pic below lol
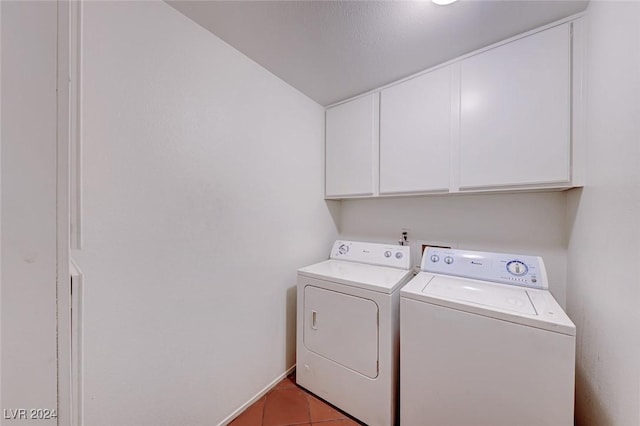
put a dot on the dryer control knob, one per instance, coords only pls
(448, 260)
(435, 258)
(387, 253)
(399, 255)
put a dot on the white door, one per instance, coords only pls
(415, 134)
(342, 328)
(351, 144)
(515, 112)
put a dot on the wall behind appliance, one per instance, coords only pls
(29, 369)
(202, 196)
(526, 223)
(604, 245)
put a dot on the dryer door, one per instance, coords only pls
(342, 328)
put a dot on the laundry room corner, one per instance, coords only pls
(318, 213)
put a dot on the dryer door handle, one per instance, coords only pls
(314, 319)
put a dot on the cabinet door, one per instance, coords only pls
(515, 112)
(351, 143)
(415, 134)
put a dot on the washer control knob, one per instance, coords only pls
(343, 249)
(435, 258)
(517, 268)
(399, 255)
(448, 260)
(387, 253)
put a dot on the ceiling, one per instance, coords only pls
(333, 50)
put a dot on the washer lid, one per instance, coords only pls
(532, 307)
(382, 279)
(480, 293)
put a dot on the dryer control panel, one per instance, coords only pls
(515, 269)
(372, 254)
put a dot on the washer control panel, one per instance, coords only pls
(372, 253)
(515, 269)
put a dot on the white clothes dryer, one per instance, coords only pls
(348, 328)
(484, 343)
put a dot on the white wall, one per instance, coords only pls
(202, 196)
(604, 223)
(28, 207)
(531, 223)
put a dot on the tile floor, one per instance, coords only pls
(288, 404)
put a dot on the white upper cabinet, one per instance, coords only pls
(352, 148)
(415, 134)
(509, 117)
(515, 113)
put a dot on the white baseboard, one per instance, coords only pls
(257, 396)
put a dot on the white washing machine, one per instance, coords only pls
(348, 328)
(484, 343)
